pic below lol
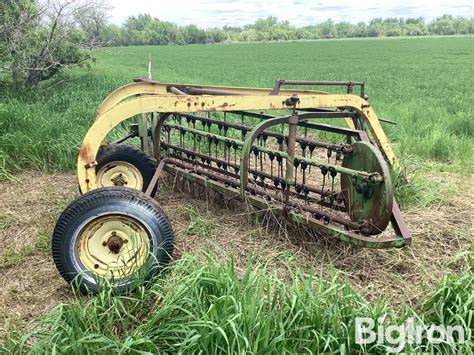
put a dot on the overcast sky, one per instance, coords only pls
(208, 13)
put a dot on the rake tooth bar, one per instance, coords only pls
(332, 178)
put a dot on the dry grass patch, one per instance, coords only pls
(29, 283)
(206, 221)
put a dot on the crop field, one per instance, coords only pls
(236, 284)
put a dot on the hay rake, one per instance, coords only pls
(266, 147)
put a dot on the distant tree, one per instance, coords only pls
(412, 29)
(344, 29)
(301, 33)
(249, 35)
(264, 25)
(327, 29)
(375, 28)
(161, 32)
(415, 21)
(92, 21)
(360, 30)
(415, 27)
(279, 34)
(376, 20)
(230, 29)
(443, 25)
(113, 35)
(463, 25)
(394, 21)
(193, 34)
(138, 23)
(393, 31)
(216, 35)
(83, 24)
(135, 29)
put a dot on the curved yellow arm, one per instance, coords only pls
(116, 109)
(155, 88)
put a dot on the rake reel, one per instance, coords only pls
(271, 148)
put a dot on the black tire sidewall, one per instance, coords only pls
(103, 201)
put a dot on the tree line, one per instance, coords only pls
(40, 38)
(147, 30)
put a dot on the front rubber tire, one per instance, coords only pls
(120, 203)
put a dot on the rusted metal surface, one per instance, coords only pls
(156, 176)
(319, 224)
(348, 84)
(247, 128)
(365, 200)
(233, 169)
(332, 178)
(250, 174)
(176, 91)
(115, 243)
(290, 159)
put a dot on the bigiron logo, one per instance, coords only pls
(408, 333)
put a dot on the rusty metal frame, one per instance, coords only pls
(145, 97)
(401, 237)
(149, 87)
(348, 84)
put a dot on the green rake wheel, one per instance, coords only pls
(366, 201)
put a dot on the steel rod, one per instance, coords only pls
(367, 176)
(251, 171)
(342, 234)
(329, 217)
(333, 146)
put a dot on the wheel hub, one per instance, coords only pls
(114, 243)
(120, 173)
(119, 180)
(114, 246)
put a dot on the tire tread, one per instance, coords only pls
(103, 195)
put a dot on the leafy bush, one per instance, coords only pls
(38, 40)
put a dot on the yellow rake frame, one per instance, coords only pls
(153, 97)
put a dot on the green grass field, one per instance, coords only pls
(424, 84)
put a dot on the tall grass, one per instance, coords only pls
(205, 306)
(423, 84)
(43, 129)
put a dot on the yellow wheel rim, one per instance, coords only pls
(120, 173)
(113, 246)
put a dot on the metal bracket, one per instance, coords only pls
(349, 84)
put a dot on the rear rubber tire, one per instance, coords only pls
(110, 202)
(110, 153)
